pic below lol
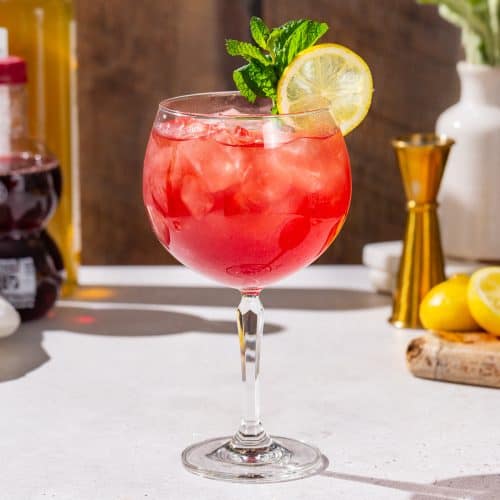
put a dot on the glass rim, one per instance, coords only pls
(422, 140)
(164, 106)
(28, 148)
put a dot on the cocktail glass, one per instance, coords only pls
(246, 197)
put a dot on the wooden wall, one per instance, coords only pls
(132, 54)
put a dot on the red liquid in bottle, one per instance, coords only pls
(30, 264)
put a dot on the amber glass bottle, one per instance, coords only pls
(43, 33)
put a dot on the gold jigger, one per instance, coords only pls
(421, 159)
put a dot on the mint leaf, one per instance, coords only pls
(278, 37)
(263, 79)
(240, 80)
(260, 32)
(288, 40)
(247, 51)
(305, 35)
(257, 79)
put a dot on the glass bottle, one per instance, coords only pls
(30, 187)
(43, 33)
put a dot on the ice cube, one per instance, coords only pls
(266, 184)
(184, 128)
(271, 133)
(301, 163)
(275, 133)
(220, 166)
(235, 134)
(196, 196)
(315, 165)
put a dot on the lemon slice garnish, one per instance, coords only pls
(327, 75)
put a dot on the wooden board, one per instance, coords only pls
(471, 358)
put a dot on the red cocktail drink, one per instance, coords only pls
(242, 202)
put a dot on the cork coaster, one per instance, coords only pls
(466, 358)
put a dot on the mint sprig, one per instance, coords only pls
(275, 49)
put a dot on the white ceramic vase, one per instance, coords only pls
(470, 193)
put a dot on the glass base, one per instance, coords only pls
(284, 460)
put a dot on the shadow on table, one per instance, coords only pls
(144, 311)
(480, 487)
(109, 314)
(314, 299)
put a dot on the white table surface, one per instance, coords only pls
(98, 401)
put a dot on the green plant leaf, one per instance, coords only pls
(278, 38)
(260, 32)
(254, 80)
(247, 51)
(494, 13)
(474, 18)
(301, 38)
(261, 80)
(241, 84)
(475, 51)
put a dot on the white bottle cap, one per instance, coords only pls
(4, 42)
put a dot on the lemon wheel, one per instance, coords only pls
(327, 75)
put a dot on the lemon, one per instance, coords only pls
(445, 307)
(327, 75)
(483, 294)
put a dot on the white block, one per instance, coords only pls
(382, 281)
(383, 256)
(382, 260)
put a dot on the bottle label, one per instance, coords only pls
(18, 282)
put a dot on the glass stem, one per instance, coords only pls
(250, 317)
